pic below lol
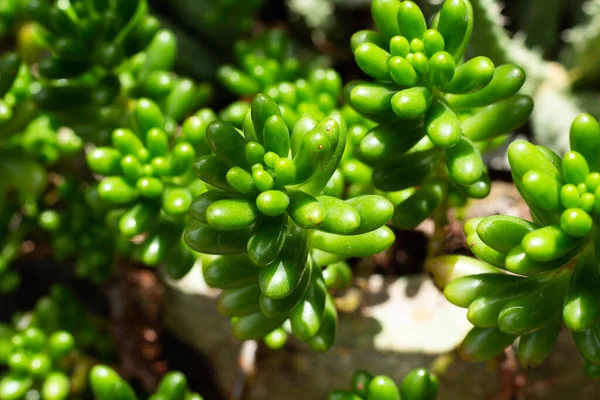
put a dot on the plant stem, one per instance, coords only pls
(437, 241)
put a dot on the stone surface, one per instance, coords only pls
(412, 312)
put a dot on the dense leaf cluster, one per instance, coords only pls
(555, 277)
(107, 158)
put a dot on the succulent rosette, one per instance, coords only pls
(537, 274)
(436, 112)
(148, 178)
(272, 228)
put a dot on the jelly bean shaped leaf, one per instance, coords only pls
(464, 162)
(506, 82)
(267, 240)
(543, 190)
(465, 290)
(405, 171)
(584, 137)
(384, 14)
(203, 238)
(372, 100)
(581, 307)
(419, 384)
(503, 232)
(307, 316)
(484, 311)
(455, 24)
(550, 243)
(383, 387)
(497, 119)
(360, 245)
(373, 61)
(305, 210)
(279, 279)
(535, 347)
(374, 211)
(412, 102)
(418, 206)
(536, 309)
(340, 217)
(471, 76)
(231, 214)
(484, 343)
(443, 125)
(230, 271)
(279, 307)
(239, 302)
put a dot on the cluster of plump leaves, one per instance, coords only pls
(35, 361)
(148, 176)
(271, 228)
(45, 140)
(263, 61)
(84, 63)
(126, 55)
(149, 74)
(436, 113)
(106, 384)
(49, 348)
(315, 97)
(553, 264)
(287, 180)
(88, 59)
(86, 42)
(418, 384)
(91, 57)
(310, 99)
(315, 94)
(46, 348)
(337, 277)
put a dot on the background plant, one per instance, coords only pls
(417, 384)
